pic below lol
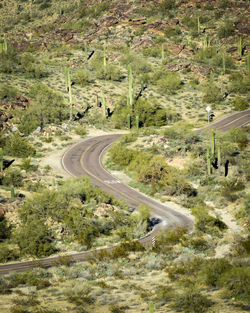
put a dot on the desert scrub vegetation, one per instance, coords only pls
(47, 107)
(70, 214)
(151, 169)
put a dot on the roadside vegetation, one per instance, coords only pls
(71, 69)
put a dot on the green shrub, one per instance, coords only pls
(12, 177)
(19, 146)
(226, 30)
(231, 186)
(82, 77)
(7, 92)
(94, 10)
(236, 281)
(34, 238)
(170, 83)
(111, 72)
(224, 4)
(164, 294)
(217, 60)
(239, 83)
(211, 271)
(206, 223)
(5, 229)
(80, 130)
(167, 5)
(7, 254)
(192, 301)
(240, 104)
(26, 164)
(172, 32)
(205, 54)
(212, 94)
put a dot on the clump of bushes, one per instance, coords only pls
(82, 77)
(18, 146)
(212, 94)
(240, 104)
(192, 301)
(239, 83)
(226, 29)
(7, 92)
(151, 169)
(206, 223)
(12, 177)
(149, 112)
(47, 106)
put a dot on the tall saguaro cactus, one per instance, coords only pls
(240, 47)
(86, 49)
(212, 143)
(162, 53)
(12, 193)
(248, 63)
(1, 160)
(198, 24)
(130, 86)
(208, 161)
(68, 86)
(224, 63)
(137, 122)
(151, 307)
(104, 105)
(129, 121)
(219, 156)
(104, 60)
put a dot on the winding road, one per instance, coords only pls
(84, 158)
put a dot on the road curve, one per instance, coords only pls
(84, 158)
(238, 119)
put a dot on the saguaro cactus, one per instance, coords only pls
(198, 24)
(240, 47)
(219, 156)
(212, 143)
(104, 105)
(1, 159)
(130, 90)
(5, 45)
(162, 53)
(151, 307)
(248, 63)
(129, 121)
(68, 86)
(104, 60)
(12, 192)
(224, 63)
(137, 122)
(86, 49)
(208, 161)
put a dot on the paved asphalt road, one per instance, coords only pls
(238, 119)
(84, 158)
